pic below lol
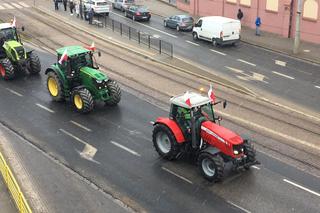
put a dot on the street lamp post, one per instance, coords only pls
(297, 33)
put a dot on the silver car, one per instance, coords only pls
(122, 4)
(179, 22)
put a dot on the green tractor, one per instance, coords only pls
(76, 77)
(13, 56)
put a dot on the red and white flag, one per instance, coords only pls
(92, 47)
(211, 94)
(187, 99)
(64, 57)
(13, 23)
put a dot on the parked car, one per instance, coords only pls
(122, 4)
(179, 22)
(99, 6)
(137, 12)
(218, 30)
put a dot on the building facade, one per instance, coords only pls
(277, 16)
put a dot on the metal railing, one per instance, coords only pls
(13, 187)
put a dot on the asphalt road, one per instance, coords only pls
(266, 72)
(126, 161)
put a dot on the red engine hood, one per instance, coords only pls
(219, 131)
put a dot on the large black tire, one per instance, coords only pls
(35, 65)
(59, 96)
(250, 152)
(114, 93)
(85, 98)
(211, 166)
(165, 142)
(7, 69)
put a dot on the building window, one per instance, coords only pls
(310, 9)
(232, 1)
(245, 2)
(272, 5)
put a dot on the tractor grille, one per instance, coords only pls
(20, 52)
(101, 85)
(238, 148)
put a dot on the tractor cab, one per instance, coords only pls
(8, 32)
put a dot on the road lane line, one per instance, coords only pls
(80, 125)
(234, 69)
(23, 4)
(14, 92)
(317, 86)
(246, 62)
(73, 136)
(302, 187)
(8, 6)
(255, 167)
(125, 148)
(148, 26)
(239, 207)
(17, 5)
(190, 42)
(1, 7)
(280, 63)
(215, 51)
(175, 174)
(45, 108)
(283, 75)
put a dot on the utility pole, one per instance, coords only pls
(297, 33)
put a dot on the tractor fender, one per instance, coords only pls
(173, 126)
(211, 150)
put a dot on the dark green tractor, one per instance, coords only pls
(77, 78)
(13, 56)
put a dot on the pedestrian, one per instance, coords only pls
(258, 24)
(71, 6)
(85, 13)
(240, 14)
(56, 4)
(65, 4)
(90, 14)
(77, 9)
(81, 9)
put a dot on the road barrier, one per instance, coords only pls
(143, 38)
(13, 187)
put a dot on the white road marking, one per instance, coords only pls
(255, 76)
(259, 77)
(23, 4)
(306, 51)
(283, 75)
(8, 6)
(156, 36)
(246, 62)
(148, 26)
(190, 42)
(280, 63)
(215, 51)
(45, 108)
(80, 125)
(234, 69)
(317, 86)
(302, 187)
(125, 148)
(17, 5)
(1, 7)
(175, 174)
(239, 207)
(255, 167)
(73, 136)
(14, 92)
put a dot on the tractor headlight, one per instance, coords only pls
(235, 152)
(98, 81)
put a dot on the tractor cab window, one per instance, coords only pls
(82, 60)
(207, 111)
(9, 34)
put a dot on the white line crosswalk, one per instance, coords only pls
(13, 5)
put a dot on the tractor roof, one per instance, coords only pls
(72, 50)
(5, 25)
(196, 99)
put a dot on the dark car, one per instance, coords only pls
(179, 22)
(137, 12)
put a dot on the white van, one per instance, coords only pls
(99, 6)
(218, 30)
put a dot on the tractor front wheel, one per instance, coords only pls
(211, 166)
(250, 152)
(114, 93)
(82, 100)
(55, 86)
(165, 142)
(35, 65)
(6, 69)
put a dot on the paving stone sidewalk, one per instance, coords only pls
(6, 203)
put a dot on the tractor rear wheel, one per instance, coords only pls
(211, 166)
(35, 65)
(6, 69)
(55, 86)
(82, 100)
(165, 142)
(250, 152)
(114, 93)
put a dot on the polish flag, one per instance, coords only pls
(211, 94)
(187, 99)
(13, 23)
(64, 57)
(92, 47)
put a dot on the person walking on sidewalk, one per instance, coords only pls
(64, 4)
(81, 9)
(71, 5)
(90, 14)
(258, 24)
(240, 14)
(56, 4)
(77, 9)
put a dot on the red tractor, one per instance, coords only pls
(194, 129)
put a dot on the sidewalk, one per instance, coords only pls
(6, 203)
(308, 51)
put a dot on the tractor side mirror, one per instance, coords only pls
(99, 54)
(224, 104)
(22, 28)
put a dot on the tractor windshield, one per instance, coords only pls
(207, 111)
(82, 60)
(9, 34)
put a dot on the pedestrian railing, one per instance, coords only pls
(13, 187)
